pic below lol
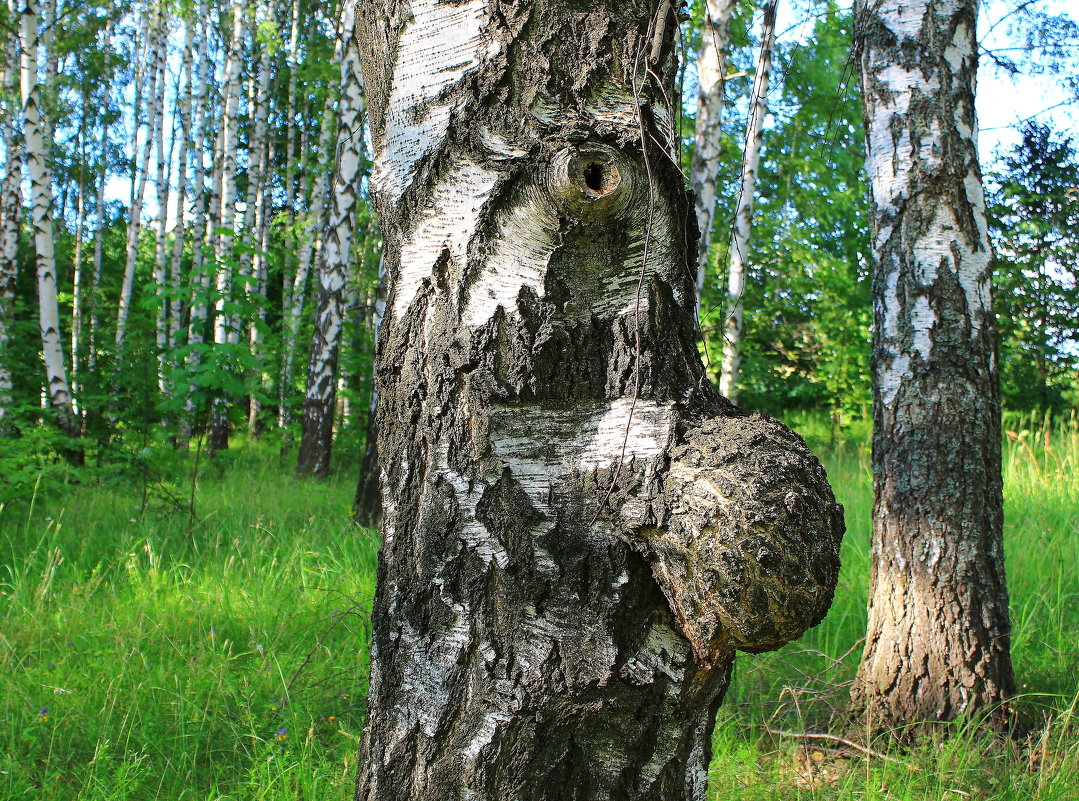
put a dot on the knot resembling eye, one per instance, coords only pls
(590, 179)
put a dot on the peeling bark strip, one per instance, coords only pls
(938, 637)
(578, 530)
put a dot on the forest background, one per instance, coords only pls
(189, 151)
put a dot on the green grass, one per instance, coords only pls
(219, 660)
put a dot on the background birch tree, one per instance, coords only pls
(938, 642)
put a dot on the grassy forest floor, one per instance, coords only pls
(148, 653)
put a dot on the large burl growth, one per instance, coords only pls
(579, 531)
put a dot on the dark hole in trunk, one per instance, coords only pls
(593, 177)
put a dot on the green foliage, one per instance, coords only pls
(1034, 213)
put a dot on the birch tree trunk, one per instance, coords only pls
(163, 191)
(937, 646)
(57, 387)
(311, 244)
(156, 56)
(743, 215)
(707, 149)
(226, 323)
(316, 441)
(77, 279)
(102, 223)
(578, 529)
(10, 213)
(367, 506)
(176, 305)
(199, 276)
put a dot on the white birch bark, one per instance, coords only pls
(10, 209)
(743, 216)
(99, 233)
(311, 242)
(199, 281)
(161, 254)
(57, 388)
(176, 305)
(156, 54)
(707, 149)
(226, 323)
(333, 261)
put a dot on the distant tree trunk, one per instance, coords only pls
(320, 402)
(176, 306)
(310, 245)
(262, 277)
(162, 188)
(937, 646)
(708, 147)
(10, 215)
(102, 222)
(367, 506)
(58, 389)
(77, 299)
(199, 276)
(743, 215)
(227, 323)
(578, 530)
(155, 55)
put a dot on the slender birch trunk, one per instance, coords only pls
(367, 506)
(10, 212)
(316, 442)
(311, 245)
(578, 530)
(102, 222)
(199, 280)
(176, 305)
(226, 323)
(938, 638)
(161, 254)
(743, 215)
(711, 69)
(140, 169)
(261, 271)
(77, 278)
(58, 390)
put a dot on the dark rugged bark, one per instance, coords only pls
(938, 639)
(578, 530)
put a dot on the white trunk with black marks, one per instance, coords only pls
(10, 210)
(262, 277)
(578, 531)
(334, 261)
(199, 277)
(102, 222)
(311, 244)
(176, 308)
(57, 388)
(161, 267)
(708, 144)
(226, 323)
(937, 646)
(743, 214)
(155, 55)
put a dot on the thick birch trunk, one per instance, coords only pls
(578, 530)
(707, 149)
(57, 389)
(937, 646)
(156, 56)
(743, 215)
(10, 214)
(333, 264)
